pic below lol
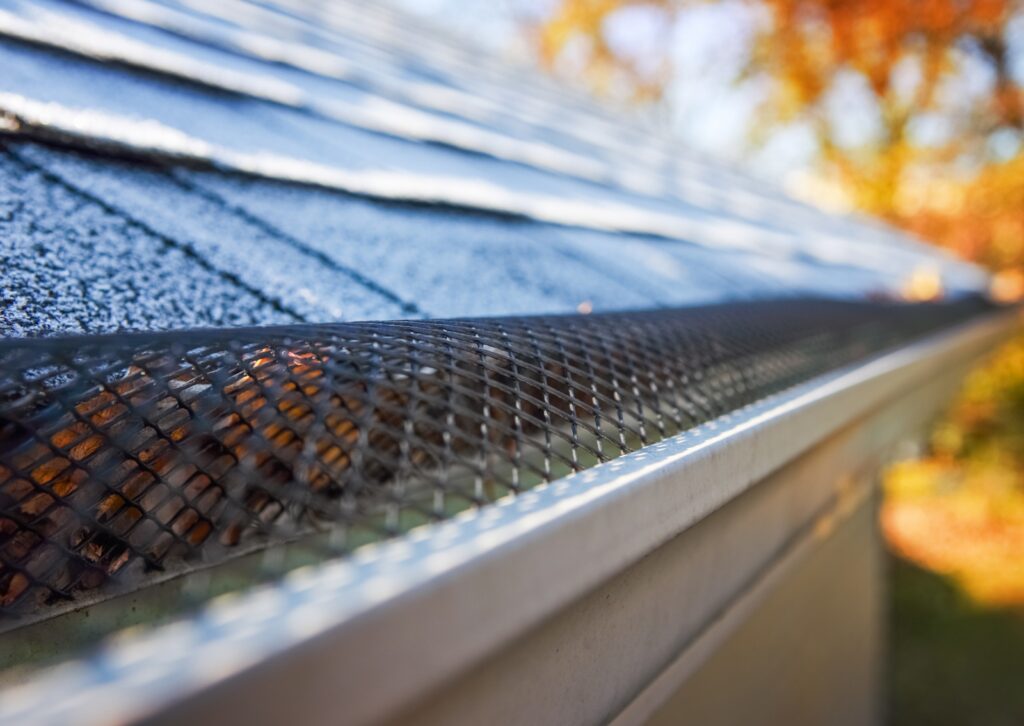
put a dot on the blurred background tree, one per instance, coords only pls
(914, 108)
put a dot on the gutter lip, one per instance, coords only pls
(456, 591)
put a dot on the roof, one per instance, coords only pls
(177, 164)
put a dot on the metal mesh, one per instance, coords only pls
(127, 459)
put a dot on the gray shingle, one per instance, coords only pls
(298, 279)
(320, 114)
(450, 263)
(70, 266)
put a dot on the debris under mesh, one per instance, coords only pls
(127, 459)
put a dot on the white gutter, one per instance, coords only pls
(354, 639)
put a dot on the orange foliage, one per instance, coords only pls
(965, 521)
(584, 20)
(960, 510)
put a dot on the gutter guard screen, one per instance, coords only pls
(130, 459)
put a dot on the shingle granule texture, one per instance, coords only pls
(71, 266)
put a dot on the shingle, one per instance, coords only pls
(286, 141)
(664, 228)
(70, 266)
(298, 279)
(292, 143)
(449, 263)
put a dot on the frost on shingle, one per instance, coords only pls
(69, 266)
(288, 139)
(450, 263)
(291, 143)
(249, 125)
(301, 280)
(630, 223)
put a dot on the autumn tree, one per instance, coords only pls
(934, 86)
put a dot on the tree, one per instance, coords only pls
(936, 86)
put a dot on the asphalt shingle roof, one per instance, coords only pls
(174, 164)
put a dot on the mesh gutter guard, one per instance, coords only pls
(350, 636)
(126, 460)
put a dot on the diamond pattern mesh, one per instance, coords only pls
(127, 459)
